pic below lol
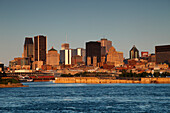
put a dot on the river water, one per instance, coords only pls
(47, 97)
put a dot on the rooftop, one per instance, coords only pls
(52, 49)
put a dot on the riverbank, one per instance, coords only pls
(109, 80)
(10, 82)
(9, 85)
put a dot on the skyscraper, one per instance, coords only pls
(162, 54)
(103, 51)
(79, 52)
(28, 47)
(114, 57)
(106, 43)
(134, 53)
(93, 49)
(65, 56)
(40, 48)
(64, 46)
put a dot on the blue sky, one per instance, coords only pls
(144, 23)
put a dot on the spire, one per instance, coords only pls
(66, 37)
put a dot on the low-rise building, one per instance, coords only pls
(37, 65)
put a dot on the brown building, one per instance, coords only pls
(103, 51)
(1, 67)
(65, 46)
(37, 65)
(12, 64)
(76, 60)
(28, 47)
(53, 57)
(20, 63)
(28, 51)
(114, 57)
(162, 54)
(47, 67)
(40, 48)
(95, 61)
(106, 43)
(151, 58)
(103, 59)
(18, 60)
(88, 61)
(132, 62)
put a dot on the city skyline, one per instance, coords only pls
(144, 24)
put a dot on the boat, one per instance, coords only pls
(25, 78)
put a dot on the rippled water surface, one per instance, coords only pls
(45, 97)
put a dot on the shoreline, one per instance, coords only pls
(12, 85)
(95, 80)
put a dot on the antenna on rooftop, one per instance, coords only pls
(66, 37)
(104, 36)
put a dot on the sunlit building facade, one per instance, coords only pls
(53, 57)
(65, 56)
(114, 57)
(106, 43)
(64, 46)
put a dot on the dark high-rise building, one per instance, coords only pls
(162, 54)
(1, 67)
(40, 48)
(134, 53)
(103, 51)
(28, 47)
(93, 49)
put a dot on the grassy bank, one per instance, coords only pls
(9, 82)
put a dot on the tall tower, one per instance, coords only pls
(106, 43)
(40, 48)
(162, 53)
(65, 56)
(64, 46)
(93, 49)
(28, 47)
(134, 53)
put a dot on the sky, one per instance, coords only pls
(143, 23)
